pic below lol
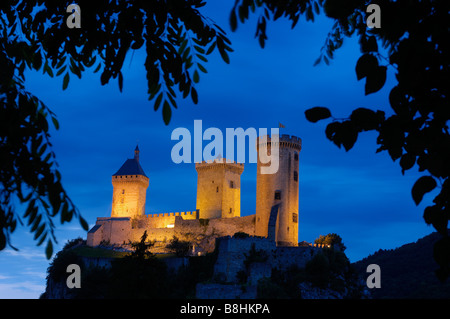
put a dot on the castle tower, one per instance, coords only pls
(219, 188)
(279, 188)
(129, 189)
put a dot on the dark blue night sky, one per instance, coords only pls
(360, 195)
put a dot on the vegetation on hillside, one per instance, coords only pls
(408, 271)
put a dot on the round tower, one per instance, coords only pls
(129, 189)
(280, 187)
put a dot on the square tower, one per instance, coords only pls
(129, 189)
(219, 188)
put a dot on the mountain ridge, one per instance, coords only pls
(407, 272)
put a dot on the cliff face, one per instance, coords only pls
(57, 290)
(255, 268)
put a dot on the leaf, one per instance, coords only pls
(436, 217)
(318, 60)
(365, 119)
(60, 71)
(39, 232)
(104, 78)
(120, 81)
(349, 135)
(202, 68)
(66, 81)
(211, 48)
(199, 49)
(342, 134)
(201, 57)
(233, 20)
(317, 113)
(316, 8)
(423, 185)
(158, 101)
(375, 80)
(84, 224)
(366, 64)
(225, 56)
(166, 112)
(37, 61)
(407, 161)
(55, 123)
(49, 249)
(98, 68)
(194, 95)
(196, 77)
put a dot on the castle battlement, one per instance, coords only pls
(289, 141)
(185, 215)
(219, 163)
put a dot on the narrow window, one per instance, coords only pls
(294, 217)
(217, 189)
(295, 176)
(231, 184)
(231, 210)
(296, 156)
(277, 195)
(123, 191)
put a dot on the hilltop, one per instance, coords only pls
(407, 271)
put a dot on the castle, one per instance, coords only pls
(218, 208)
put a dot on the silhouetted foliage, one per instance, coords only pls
(333, 240)
(179, 247)
(177, 39)
(413, 43)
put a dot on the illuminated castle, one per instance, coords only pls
(218, 207)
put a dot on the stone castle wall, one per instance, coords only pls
(201, 232)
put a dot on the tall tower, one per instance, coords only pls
(279, 188)
(219, 188)
(129, 189)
